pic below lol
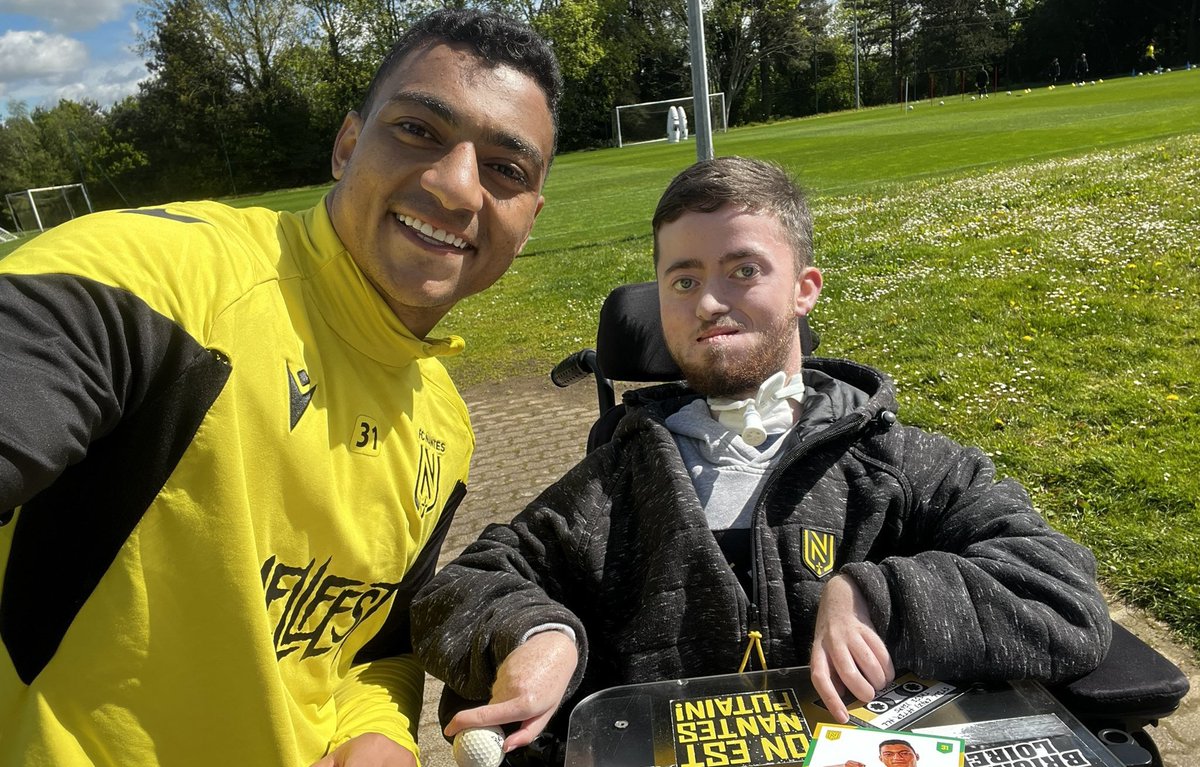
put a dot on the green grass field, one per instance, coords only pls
(1027, 268)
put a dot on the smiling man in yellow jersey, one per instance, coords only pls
(228, 450)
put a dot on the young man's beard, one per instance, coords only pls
(726, 373)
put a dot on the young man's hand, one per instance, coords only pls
(369, 750)
(848, 655)
(530, 684)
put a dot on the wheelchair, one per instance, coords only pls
(1131, 690)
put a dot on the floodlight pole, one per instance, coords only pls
(704, 139)
(857, 92)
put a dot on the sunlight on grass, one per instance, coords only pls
(1048, 314)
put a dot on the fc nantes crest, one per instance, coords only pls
(818, 552)
(429, 480)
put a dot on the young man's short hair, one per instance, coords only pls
(896, 742)
(756, 186)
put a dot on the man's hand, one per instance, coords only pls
(369, 750)
(530, 684)
(847, 653)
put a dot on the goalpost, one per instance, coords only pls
(47, 206)
(645, 122)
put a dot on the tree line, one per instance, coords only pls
(245, 96)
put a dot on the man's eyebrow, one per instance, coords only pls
(695, 263)
(506, 139)
(683, 263)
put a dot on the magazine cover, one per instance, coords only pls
(744, 728)
(1042, 740)
(898, 705)
(843, 745)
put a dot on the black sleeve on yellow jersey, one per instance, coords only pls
(395, 637)
(101, 397)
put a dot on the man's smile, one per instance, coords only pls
(431, 234)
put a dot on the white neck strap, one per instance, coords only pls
(768, 412)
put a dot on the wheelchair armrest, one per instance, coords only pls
(1134, 685)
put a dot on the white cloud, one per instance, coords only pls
(40, 69)
(26, 55)
(106, 85)
(68, 15)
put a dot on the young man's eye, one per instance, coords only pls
(746, 271)
(415, 129)
(684, 283)
(512, 172)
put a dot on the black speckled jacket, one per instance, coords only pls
(965, 580)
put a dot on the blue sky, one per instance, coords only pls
(72, 49)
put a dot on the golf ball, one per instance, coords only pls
(479, 747)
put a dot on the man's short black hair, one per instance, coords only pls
(495, 38)
(896, 742)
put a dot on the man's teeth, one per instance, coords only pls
(441, 235)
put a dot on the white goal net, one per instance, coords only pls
(36, 210)
(647, 121)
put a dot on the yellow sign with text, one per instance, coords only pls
(758, 728)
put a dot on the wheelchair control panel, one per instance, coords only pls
(771, 717)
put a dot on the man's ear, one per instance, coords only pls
(808, 288)
(344, 144)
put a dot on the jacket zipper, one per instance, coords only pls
(846, 425)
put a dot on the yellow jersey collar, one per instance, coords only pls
(351, 305)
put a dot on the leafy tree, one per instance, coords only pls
(1114, 33)
(78, 134)
(957, 33)
(886, 30)
(334, 69)
(834, 70)
(794, 83)
(252, 34)
(613, 52)
(24, 161)
(574, 28)
(183, 117)
(743, 37)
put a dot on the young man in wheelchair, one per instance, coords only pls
(773, 494)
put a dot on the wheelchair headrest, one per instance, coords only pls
(629, 341)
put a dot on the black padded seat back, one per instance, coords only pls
(629, 340)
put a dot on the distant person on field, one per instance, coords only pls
(1150, 58)
(1055, 70)
(1081, 68)
(981, 82)
(229, 449)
